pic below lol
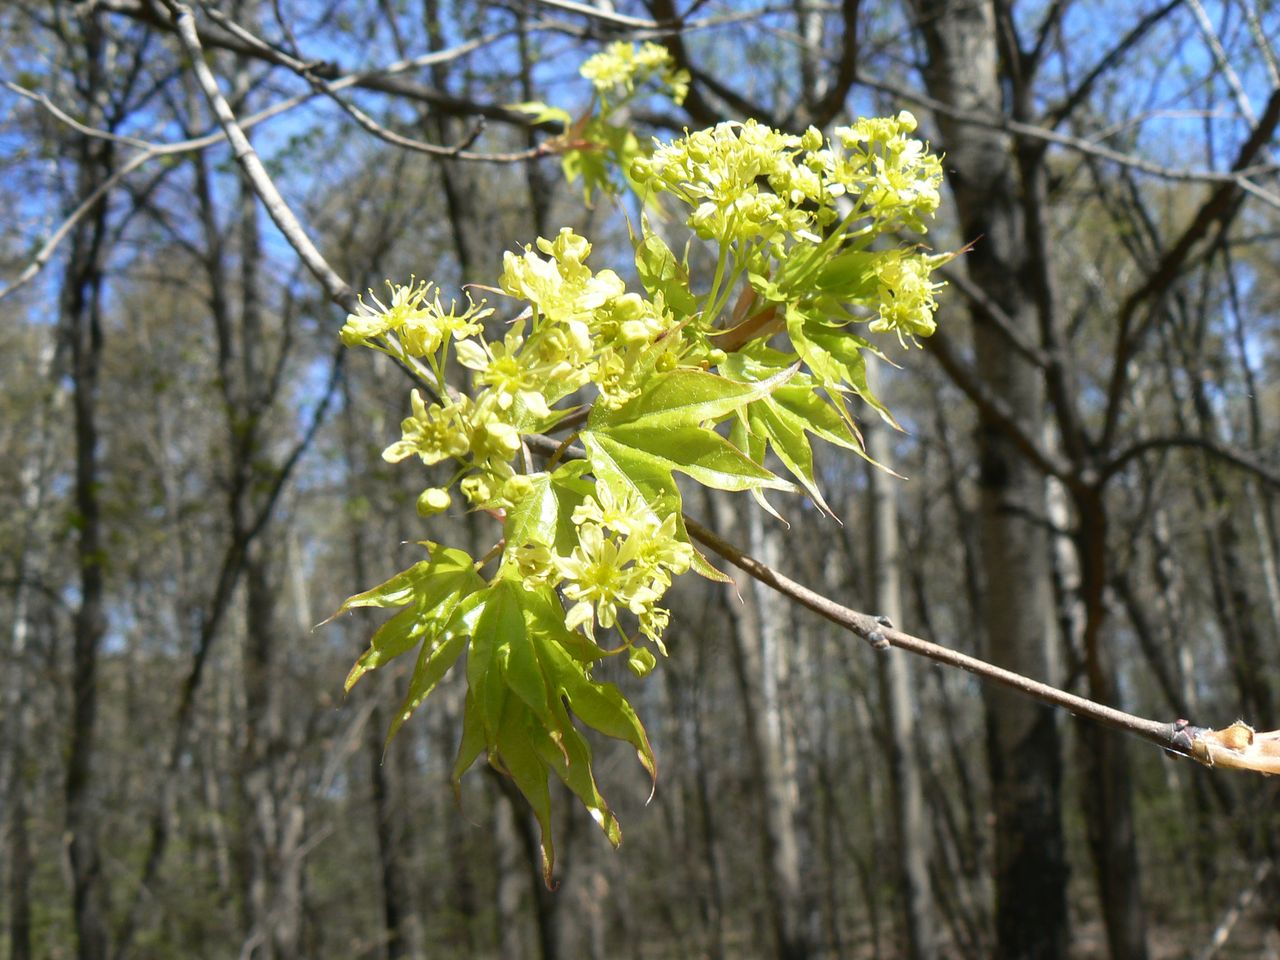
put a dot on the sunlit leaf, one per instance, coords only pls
(544, 515)
(684, 398)
(434, 588)
(520, 761)
(600, 706)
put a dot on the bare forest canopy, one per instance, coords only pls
(1054, 259)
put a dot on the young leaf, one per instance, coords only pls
(702, 454)
(661, 272)
(471, 745)
(652, 483)
(834, 354)
(523, 675)
(433, 663)
(435, 589)
(786, 435)
(541, 112)
(499, 624)
(818, 416)
(520, 761)
(600, 706)
(684, 398)
(395, 592)
(569, 755)
(398, 635)
(544, 516)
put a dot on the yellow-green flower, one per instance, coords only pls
(623, 67)
(433, 500)
(601, 577)
(563, 289)
(503, 367)
(375, 321)
(434, 433)
(623, 515)
(424, 332)
(906, 296)
(421, 324)
(493, 439)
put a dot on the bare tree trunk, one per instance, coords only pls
(511, 882)
(759, 654)
(16, 727)
(275, 816)
(20, 860)
(1022, 738)
(545, 913)
(706, 809)
(81, 318)
(398, 914)
(898, 694)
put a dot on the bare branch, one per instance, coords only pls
(1267, 475)
(277, 207)
(1219, 209)
(1112, 57)
(992, 311)
(381, 80)
(1239, 178)
(601, 15)
(306, 70)
(995, 409)
(149, 152)
(878, 633)
(696, 104)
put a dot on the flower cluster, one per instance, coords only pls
(422, 325)
(792, 220)
(905, 295)
(625, 559)
(895, 175)
(748, 182)
(622, 67)
(589, 326)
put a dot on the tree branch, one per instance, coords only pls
(1220, 207)
(879, 634)
(995, 409)
(306, 70)
(381, 80)
(1267, 475)
(148, 151)
(1236, 177)
(277, 207)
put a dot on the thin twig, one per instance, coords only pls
(148, 152)
(878, 633)
(307, 71)
(1269, 476)
(1222, 933)
(1237, 178)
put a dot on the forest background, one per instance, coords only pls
(191, 481)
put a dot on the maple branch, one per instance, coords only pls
(307, 71)
(1236, 747)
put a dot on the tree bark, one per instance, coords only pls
(1023, 748)
(897, 693)
(759, 652)
(80, 305)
